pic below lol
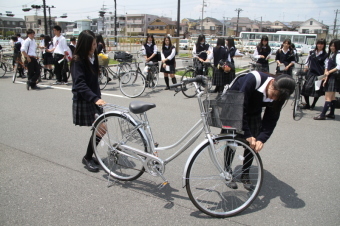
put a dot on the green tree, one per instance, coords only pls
(9, 33)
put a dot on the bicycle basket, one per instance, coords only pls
(225, 111)
(103, 59)
(123, 56)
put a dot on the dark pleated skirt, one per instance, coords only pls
(84, 112)
(308, 88)
(221, 79)
(172, 69)
(332, 85)
(48, 58)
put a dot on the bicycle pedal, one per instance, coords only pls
(162, 185)
(156, 144)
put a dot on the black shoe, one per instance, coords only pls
(305, 107)
(246, 182)
(232, 184)
(320, 117)
(35, 87)
(90, 165)
(167, 88)
(27, 85)
(330, 116)
(95, 160)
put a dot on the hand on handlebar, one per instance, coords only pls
(100, 102)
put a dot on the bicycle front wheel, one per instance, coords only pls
(211, 191)
(189, 89)
(3, 69)
(132, 84)
(123, 68)
(110, 132)
(103, 78)
(297, 111)
(209, 75)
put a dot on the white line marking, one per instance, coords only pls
(57, 87)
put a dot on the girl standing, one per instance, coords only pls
(168, 61)
(315, 63)
(262, 53)
(100, 44)
(286, 56)
(220, 78)
(48, 56)
(232, 52)
(85, 89)
(199, 55)
(150, 49)
(331, 83)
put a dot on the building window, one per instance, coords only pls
(148, 19)
(305, 31)
(310, 22)
(212, 28)
(21, 23)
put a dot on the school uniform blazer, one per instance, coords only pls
(85, 82)
(253, 104)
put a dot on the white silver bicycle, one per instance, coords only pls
(125, 148)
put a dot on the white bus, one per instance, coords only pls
(280, 36)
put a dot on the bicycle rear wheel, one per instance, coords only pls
(3, 69)
(154, 77)
(103, 78)
(132, 84)
(211, 191)
(110, 132)
(189, 89)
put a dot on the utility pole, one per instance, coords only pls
(203, 5)
(336, 14)
(178, 17)
(238, 17)
(45, 19)
(115, 21)
(261, 25)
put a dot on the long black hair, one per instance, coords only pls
(231, 42)
(150, 36)
(100, 40)
(323, 42)
(290, 44)
(83, 48)
(47, 40)
(170, 44)
(220, 42)
(334, 41)
(264, 38)
(199, 40)
(285, 85)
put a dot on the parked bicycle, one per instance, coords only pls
(300, 75)
(126, 149)
(191, 71)
(107, 74)
(6, 63)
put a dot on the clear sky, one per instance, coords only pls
(282, 10)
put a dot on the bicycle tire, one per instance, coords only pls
(209, 74)
(103, 78)
(208, 188)
(132, 84)
(154, 77)
(123, 68)
(3, 69)
(116, 129)
(15, 74)
(189, 89)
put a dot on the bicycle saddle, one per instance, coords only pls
(138, 107)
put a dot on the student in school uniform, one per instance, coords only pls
(286, 56)
(200, 56)
(331, 83)
(48, 56)
(168, 61)
(221, 77)
(101, 48)
(28, 49)
(149, 50)
(73, 43)
(262, 53)
(315, 64)
(17, 56)
(232, 52)
(60, 53)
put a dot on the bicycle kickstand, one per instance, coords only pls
(166, 182)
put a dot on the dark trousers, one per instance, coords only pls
(33, 71)
(58, 68)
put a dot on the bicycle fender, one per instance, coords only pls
(198, 147)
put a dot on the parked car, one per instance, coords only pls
(274, 46)
(185, 44)
(250, 47)
(299, 49)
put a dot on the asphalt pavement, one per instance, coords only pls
(43, 181)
